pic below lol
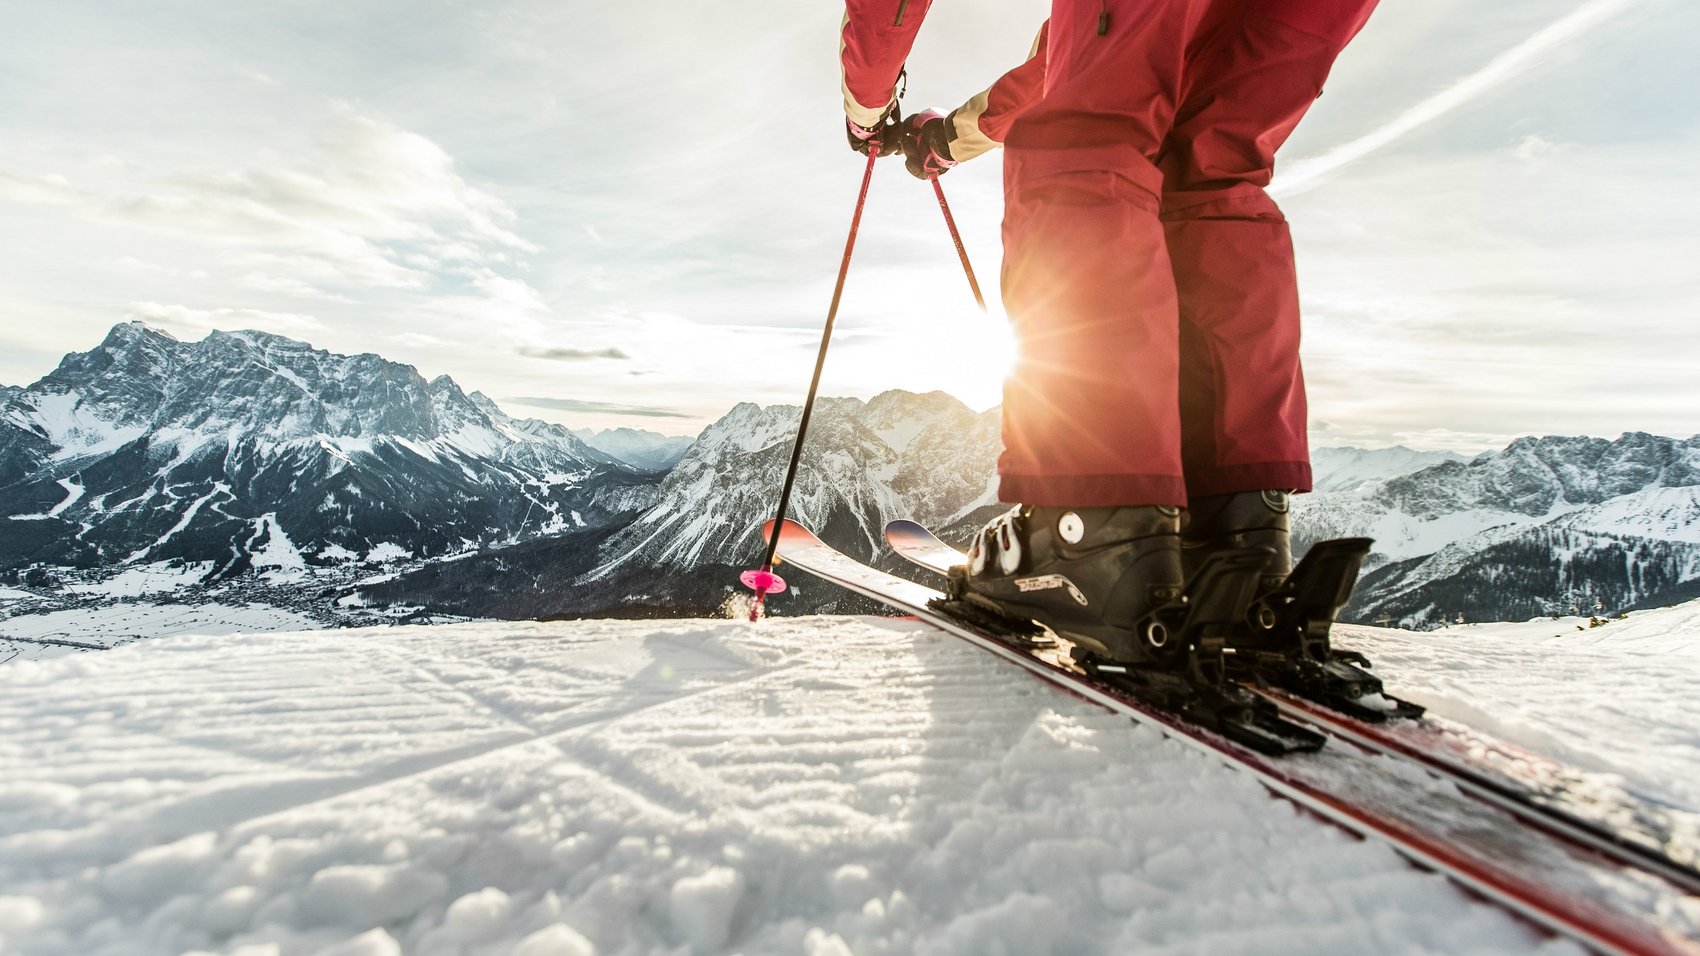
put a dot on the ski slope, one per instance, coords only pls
(817, 786)
(53, 634)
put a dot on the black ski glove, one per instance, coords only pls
(888, 133)
(926, 144)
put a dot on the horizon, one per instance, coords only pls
(424, 188)
(1469, 452)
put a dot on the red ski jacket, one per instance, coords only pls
(876, 39)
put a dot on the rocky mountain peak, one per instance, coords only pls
(922, 456)
(247, 443)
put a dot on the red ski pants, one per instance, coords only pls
(1148, 275)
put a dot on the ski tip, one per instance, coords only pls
(792, 531)
(904, 528)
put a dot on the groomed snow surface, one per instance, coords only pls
(53, 634)
(811, 786)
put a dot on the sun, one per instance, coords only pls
(950, 347)
(974, 353)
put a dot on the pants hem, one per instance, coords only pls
(1092, 491)
(1230, 479)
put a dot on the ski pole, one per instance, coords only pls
(764, 581)
(956, 237)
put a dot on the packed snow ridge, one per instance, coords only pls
(819, 786)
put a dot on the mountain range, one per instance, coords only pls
(640, 447)
(252, 452)
(248, 450)
(1543, 526)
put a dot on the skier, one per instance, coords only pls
(1156, 412)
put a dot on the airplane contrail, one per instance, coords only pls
(1306, 174)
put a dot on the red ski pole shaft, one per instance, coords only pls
(820, 363)
(956, 237)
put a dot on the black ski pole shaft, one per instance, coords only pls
(820, 363)
(956, 237)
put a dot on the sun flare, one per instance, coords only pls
(953, 348)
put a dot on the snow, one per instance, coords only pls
(76, 428)
(220, 488)
(338, 554)
(272, 551)
(1347, 469)
(1400, 536)
(899, 434)
(23, 638)
(1669, 514)
(803, 785)
(73, 492)
(139, 580)
(1616, 699)
(385, 553)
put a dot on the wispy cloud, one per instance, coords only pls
(1305, 175)
(50, 190)
(366, 204)
(206, 320)
(601, 408)
(575, 355)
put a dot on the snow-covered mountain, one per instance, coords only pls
(649, 450)
(1545, 523)
(253, 450)
(248, 450)
(922, 456)
(1345, 468)
(901, 454)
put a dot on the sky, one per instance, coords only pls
(632, 214)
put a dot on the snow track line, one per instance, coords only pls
(57, 643)
(265, 799)
(414, 770)
(1574, 914)
(462, 694)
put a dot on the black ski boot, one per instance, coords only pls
(1255, 519)
(1097, 576)
(1110, 581)
(1285, 641)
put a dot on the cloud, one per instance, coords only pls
(1306, 174)
(604, 408)
(1534, 147)
(52, 190)
(283, 285)
(419, 340)
(575, 355)
(206, 320)
(365, 204)
(257, 78)
(144, 267)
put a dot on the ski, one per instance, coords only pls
(1560, 885)
(1538, 790)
